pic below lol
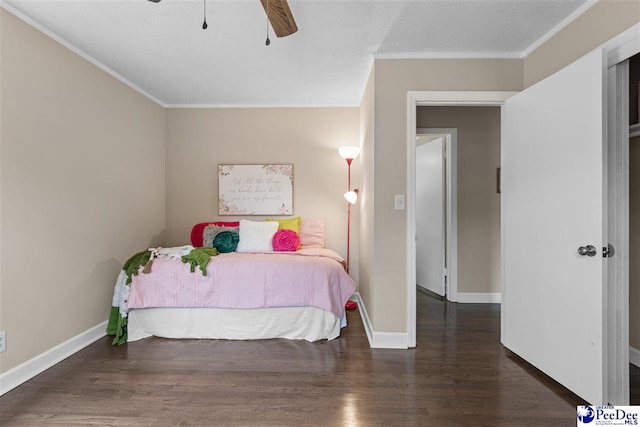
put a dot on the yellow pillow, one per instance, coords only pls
(288, 223)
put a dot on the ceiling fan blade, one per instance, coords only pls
(280, 17)
(155, 1)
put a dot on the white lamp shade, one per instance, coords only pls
(351, 196)
(349, 152)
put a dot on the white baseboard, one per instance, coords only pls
(634, 356)
(29, 369)
(393, 340)
(479, 297)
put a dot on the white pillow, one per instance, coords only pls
(256, 236)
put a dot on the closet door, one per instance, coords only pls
(553, 181)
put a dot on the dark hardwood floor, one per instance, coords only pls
(459, 374)
(634, 385)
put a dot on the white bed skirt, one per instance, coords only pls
(309, 323)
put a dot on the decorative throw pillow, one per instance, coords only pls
(198, 229)
(211, 231)
(312, 233)
(288, 223)
(285, 241)
(256, 236)
(226, 241)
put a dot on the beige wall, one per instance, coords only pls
(393, 79)
(82, 162)
(199, 139)
(478, 201)
(597, 25)
(366, 161)
(634, 242)
(82, 188)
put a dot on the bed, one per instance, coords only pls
(239, 294)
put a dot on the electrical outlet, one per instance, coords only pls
(3, 341)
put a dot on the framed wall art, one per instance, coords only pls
(255, 189)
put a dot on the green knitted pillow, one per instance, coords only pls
(226, 241)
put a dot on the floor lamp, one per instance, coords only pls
(349, 153)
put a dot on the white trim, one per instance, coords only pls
(368, 328)
(412, 127)
(616, 232)
(29, 369)
(503, 286)
(204, 106)
(480, 297)
(616, 322)
(555, 30)
(47, 32)
(623, 46)
(414, 99)
(391, 340)
(447, 55)
(462, 99)
(634, 356)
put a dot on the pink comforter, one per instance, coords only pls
(241, 280)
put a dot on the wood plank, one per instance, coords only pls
(459, 374)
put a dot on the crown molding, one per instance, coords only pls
(448, 55)
(46, 31)
(205, 106)
(555, 30)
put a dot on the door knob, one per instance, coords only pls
(588, 250)
(608, 251)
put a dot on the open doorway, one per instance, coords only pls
(415, 101)
(472, 251)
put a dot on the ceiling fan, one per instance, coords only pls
(279, 15)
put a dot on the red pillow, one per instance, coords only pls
(198, 229)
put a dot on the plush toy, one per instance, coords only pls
(351, 305)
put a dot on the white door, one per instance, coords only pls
(552, 200)
(430, 225)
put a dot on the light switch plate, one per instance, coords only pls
(399, 202)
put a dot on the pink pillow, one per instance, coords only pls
(285, 241)
(312, 233)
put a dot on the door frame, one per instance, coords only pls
(435, 99)
(616, 328)
(618, 49)
(616, 269)
(451, 205)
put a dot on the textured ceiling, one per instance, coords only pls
(162, 50)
